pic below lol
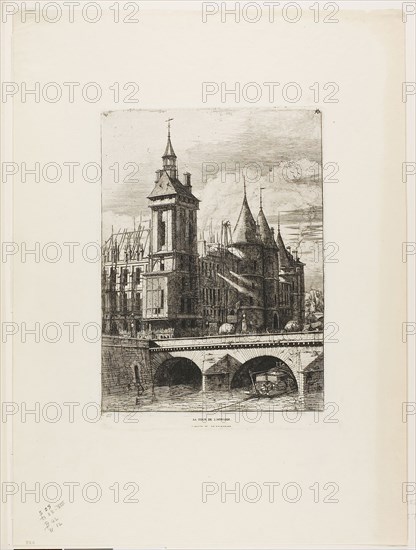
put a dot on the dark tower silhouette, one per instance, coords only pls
(170, 285)
(270, 271)
(250, 310)
(292, 287)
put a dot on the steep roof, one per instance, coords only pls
(285, 257)
(169, 152)
(168, 186)
(245, 230)
(266, 234)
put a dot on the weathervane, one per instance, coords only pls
(169, 121)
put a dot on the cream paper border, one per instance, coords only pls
(365, 451)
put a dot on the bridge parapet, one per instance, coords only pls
(233, 341)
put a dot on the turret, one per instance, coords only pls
(247, 242)
(270, 271)
(292, 284)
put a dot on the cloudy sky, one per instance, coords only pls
(277, 150)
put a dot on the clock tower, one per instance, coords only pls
(171, 283)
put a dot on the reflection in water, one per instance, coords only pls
(187, 398)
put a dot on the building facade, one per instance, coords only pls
(160, 280)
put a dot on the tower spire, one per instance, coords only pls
(278, 221)
(261, 197)
(169, 157)
(245, 230)
(169, 121)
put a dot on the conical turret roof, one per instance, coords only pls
(285, 257)
(266, 234)
(169, 152)
(245, 229)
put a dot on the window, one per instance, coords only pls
(122, 301)
(161, 230)
(255, 266)
(251, 300)
(190, 233)
(138, 301)
(156, 299)
(162, 265)
(123, 276)
(162, 233)
(138, 275)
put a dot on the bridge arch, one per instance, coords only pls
(176, 371)
(263, 363)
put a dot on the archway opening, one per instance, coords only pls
(250, 373)
(178, 372)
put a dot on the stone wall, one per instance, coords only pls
(120, 356)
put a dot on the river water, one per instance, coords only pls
(183, 398)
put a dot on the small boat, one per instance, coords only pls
(271, 383)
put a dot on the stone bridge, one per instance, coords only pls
(224, 362)
(212, 363)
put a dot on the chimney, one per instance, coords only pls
(158, 174)
(187, 179)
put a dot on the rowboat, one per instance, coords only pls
(271, 383)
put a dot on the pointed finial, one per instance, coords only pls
(278, 221)
(168, 121)
(261, 197)
(244, 183)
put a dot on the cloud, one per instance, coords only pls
(277, 150)
(222, 196)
